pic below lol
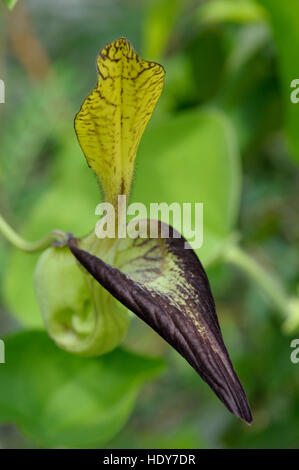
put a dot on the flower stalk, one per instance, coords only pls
(30, 247)
(272, 288)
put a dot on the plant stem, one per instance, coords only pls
(30, 247)
(269, 285)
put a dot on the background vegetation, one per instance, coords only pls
(225, 133)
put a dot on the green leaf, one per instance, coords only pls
(193, 157)
(10, 3)
(60, 400)
(284, 21)
(161, 16)
(236, 11)
(249, 90)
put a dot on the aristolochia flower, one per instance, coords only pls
(156, 278)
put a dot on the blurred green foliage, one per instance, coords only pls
(226, 104)
(70, 407)
(10, 3)
(283, 18)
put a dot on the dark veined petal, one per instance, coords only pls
(165, 285)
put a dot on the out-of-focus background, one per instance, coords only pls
(226, 106)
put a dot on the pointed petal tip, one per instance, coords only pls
(225, 382)
(249, 419)
(241, 409)
(237, 404)
(245, 416)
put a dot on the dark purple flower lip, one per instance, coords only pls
(166, 286)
